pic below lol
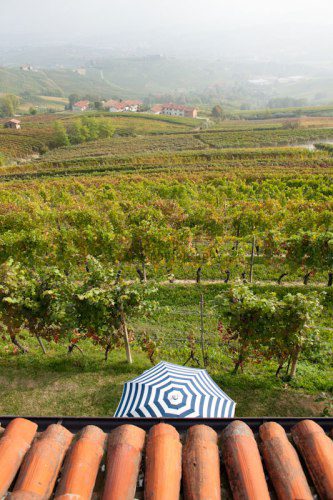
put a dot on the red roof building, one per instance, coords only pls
(81, 106)
(157, 109)
(171, 109)
(127, 458)
(120, 106)
(14, 124)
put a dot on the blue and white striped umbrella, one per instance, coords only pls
(169, 390)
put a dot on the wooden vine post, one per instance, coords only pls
(202, 330)
(126, 339)
(252, 258)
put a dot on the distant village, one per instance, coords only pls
(123, 106)
(134, 106)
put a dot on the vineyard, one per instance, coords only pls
(112, 244)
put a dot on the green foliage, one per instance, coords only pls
(310, 250)
(72, 99)
(217, 111)
(103, 302)
(34, 299)
(82, 130)
(261, 326)
(92, 303)
(8, 105)
(60, 136)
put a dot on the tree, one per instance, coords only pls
(8, 105)
(217, 112)
(72, 99)
(92, 128)
(60, 136)
(77, 132)
(106, 128)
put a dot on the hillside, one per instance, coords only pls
(56, 83)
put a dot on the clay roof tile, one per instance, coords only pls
(81, 466)
(14, 444)
(41, 466)
(201, 464)
(317, 450)
(282, 463)
(207, 466)
(125, 448)
(163, 463)
(243, 463)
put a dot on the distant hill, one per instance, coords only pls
(234, 84)
(60, 82)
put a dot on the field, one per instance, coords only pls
(182, 201)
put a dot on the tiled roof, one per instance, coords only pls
(199, 463)
(111, 103)
(157, 108)
(81, 104)
(132, 102)
(179, 107)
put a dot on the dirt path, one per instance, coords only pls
(260, 282)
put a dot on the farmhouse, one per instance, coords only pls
(122, 106)
(132, 105)
(114, 106)
(81, 106)
(157, 109)
(171, 109)
(15, 124)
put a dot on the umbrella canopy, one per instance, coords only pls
(169, 390)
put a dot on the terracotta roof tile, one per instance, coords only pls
(210, 464)
(14, 444)
(282, 463)
(163, 463)
(201, 464)
(243, 463)
(81, 466)
(123, 462)
(317, 451)
(41, 465)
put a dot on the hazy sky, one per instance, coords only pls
(91, 17)
(299, 29)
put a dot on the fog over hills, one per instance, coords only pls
(261, 49)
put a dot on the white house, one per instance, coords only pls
(172, 109)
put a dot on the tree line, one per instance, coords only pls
(81, 130)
